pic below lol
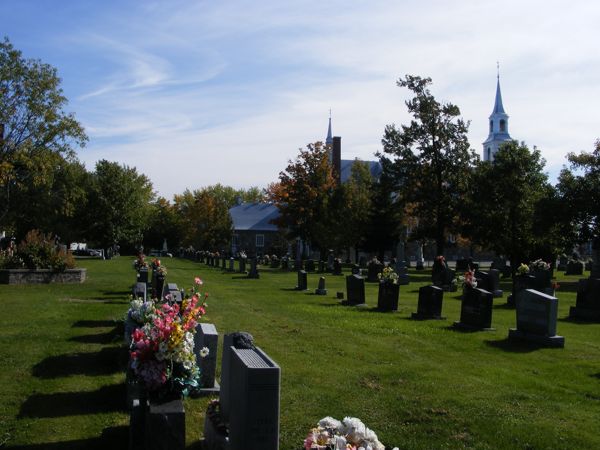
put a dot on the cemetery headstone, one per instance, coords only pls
(243, 265)
(355, 290)
(337, 267)
(587, 304)
(142, 275)
(476, 310)
(574, 268)
(165, 426)
(355, 270)
(140, 290)
(321, 266)
(310, 265)
(285, 263)
(231, 264)
(374, 268)
(302, 281)
(238, 340)
(330, 260)
(207, 336)
(321, 288)
(430, 303)
(172, 292)
(521, 282)
(387, 296)
(253, 269)
(562, 263)
(490, 281)
(536, 319)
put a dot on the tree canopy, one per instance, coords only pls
(429, 161)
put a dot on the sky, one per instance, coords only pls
(194, 93)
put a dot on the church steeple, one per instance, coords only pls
(498, 134)
(329, 140)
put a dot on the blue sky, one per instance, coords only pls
(198, 92)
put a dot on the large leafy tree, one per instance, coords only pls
(119, 205)
(34, 129)
(505, 197)
(579, 188)
(164, 223)
(204, 217)
(429, 161)
(303, 194)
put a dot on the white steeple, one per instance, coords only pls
(498, 126)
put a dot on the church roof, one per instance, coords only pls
(254, 217)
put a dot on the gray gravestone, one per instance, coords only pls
(476, 310)
(520, 283)
(536, 319)
(574, 268)
(355, 290)
(490, 281)
(173, 292)
(140, 290)
(255, 404)
(253, 269)
(207, 336)
(337, 267)
(302, 281)
(321, 289)
(165, 426)
(237, 340)
(587, 304)
(430, 303)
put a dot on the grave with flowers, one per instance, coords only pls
(537, 275)
(162, 367)
(350, 433)
(374, 268)
(389, 290)
(441, 275)
(476, 310)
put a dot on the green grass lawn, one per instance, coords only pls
(418, 384)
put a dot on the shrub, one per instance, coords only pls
(37, 251)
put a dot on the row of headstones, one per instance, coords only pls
(144, 288)
(246, 415)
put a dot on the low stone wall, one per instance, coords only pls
(41, 276)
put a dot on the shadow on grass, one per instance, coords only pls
(109, 337)
(290, 290)
(241, 277)
(104, 400)
(577, 321)
(595, 375)
(116, 293)
(95, 323)
(505, 306)
(111, 437)
(104, 362)
(514, 346)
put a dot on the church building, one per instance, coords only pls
(498, 128)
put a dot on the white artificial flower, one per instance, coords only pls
(330, 422)
(340, 443)
(204, 352)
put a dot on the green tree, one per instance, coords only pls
(118, 208)
(164, 223)
(431, 160)
(579, 189)
(205, 220)
(303, 194)
(33, 128)
(500, 212)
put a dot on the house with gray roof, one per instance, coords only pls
(254, 231)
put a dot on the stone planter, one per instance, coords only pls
(387, 299)
(41, 276)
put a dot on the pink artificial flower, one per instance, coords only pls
(198, 281)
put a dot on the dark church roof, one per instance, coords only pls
(254, 216)
(346, 169)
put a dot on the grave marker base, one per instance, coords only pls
(463, 326)
(206, 391)
(546, 341)
(417, 316)
(321, 291)
(584, 314)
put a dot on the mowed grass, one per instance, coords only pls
(418, 384)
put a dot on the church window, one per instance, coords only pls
(260, 240)
(502, 125)
(489, 154)
(491, 126)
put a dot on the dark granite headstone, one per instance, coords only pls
(322, 266)
(476, 310)
(255, 391)
(142, 275)
(165, 426)
(243, 265)
(587, 304)
(337, 267)
(207, 336)
(355, 269)
(374, 268)
(562, 263)
(310, 265)
(430, 303)
(536, 319)
(387, 296)
(302, 281)
(520, 283)
(172, 291)
(355, 290)
(321, 288)
(403, 278)
(574, 268)
(285, 264)
(253, 269)
(490, 281)
(137, 424)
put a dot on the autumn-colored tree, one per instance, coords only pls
(303, 194)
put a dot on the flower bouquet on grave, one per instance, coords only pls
(349, 434)
(158, 268)
(467, 280)
(140, 262)
(162, 357)
(538, 265)
(523, 269)
(388, 275)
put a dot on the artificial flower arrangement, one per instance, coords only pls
(539, 264)
(158, 268)
(162, 343)
(468, 280)
(140, 262)
(388, 275)
(349, 434)
(523, 269)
